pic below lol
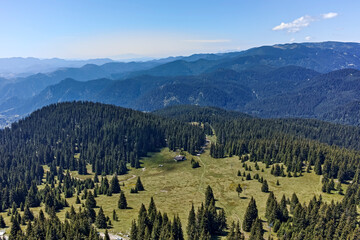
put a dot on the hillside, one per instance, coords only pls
(322, 95)
(145, 93)
(347, 114)
(272, 92)
(89, 152)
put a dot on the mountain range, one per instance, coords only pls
(21, 67)
(307, 80)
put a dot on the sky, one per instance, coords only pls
(125, 29)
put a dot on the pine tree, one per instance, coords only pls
(104, 187)
(142, 221)
(96, 178)
(133, 231)
(205, 235)
(114, 185)
(299, 217)
(283, 209)
(28, 215)
(234, 232)
(101, 219)
(317, 168)
(191, 227)
(257, 231)
(41, 216)
(221, 221)
(325, 187)
(248, 176)
(147, 233)
(177, 229)
(251, 215)
(157, 227)
(270, 207)
(331, 184)
(152, 211)
(122, 204)
(239, 190)
(265, 187)
(15, 230)
(293, 203)
(115, 217)
(90, 200)
(139, 186)
(209, 196)
(91, 214)
(31, 198)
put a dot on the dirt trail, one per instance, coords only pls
(132, 177)
(203, 165)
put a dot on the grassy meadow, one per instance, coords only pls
(175, 186)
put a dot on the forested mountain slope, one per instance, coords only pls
(270, 92)
(325, 132)
(105, 136)
(321, 95)
(310, 80)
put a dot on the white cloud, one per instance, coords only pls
(208, 40)
(302, 22)
(307, 38)
(295, 25)
(329, 15)
(292, 40)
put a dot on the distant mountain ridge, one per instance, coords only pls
(309, 80)
(283, 92)
(15, 66)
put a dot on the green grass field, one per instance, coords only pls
(176, 186)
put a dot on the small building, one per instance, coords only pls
(179, 158)
(2, 233)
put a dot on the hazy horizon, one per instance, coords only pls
(133, 57)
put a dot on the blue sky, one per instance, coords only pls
(159, 28)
